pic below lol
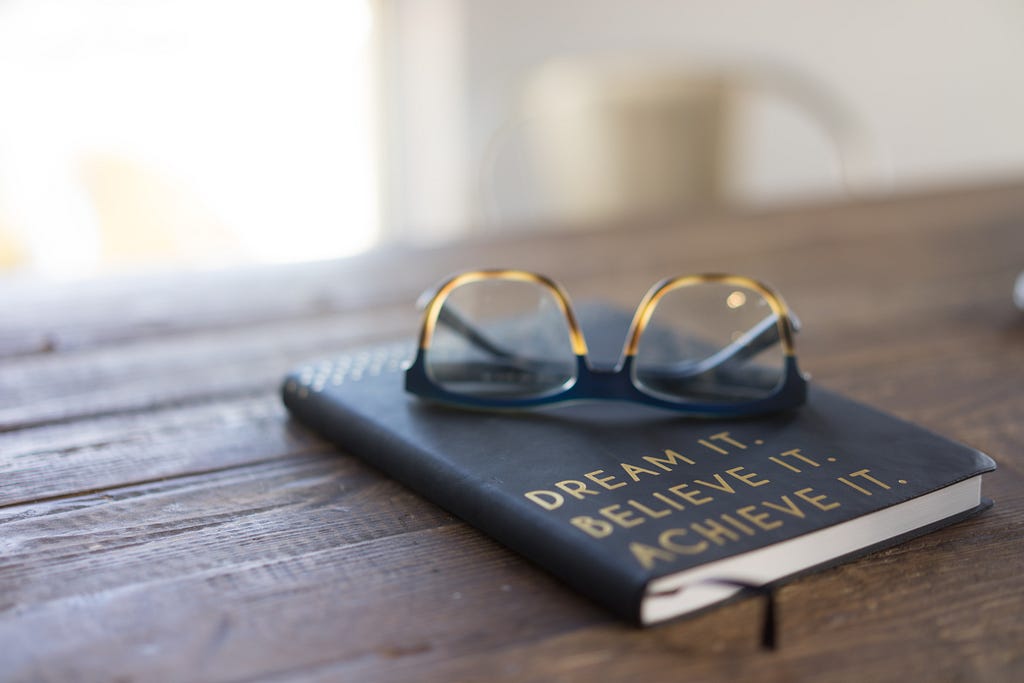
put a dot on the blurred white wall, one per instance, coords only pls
(937, 84)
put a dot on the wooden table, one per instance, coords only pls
(161, 518)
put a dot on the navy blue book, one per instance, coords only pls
(651, 514)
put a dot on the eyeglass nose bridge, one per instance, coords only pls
(604, 379)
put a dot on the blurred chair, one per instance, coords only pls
(600, 141)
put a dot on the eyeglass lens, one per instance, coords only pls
(710, 343)
(501, 338)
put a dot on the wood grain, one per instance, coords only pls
(162, 519)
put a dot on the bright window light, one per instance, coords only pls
(184, 132)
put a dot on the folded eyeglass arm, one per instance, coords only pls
(761, 336)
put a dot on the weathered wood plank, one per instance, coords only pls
(76, 315)
(155, 373)
(81, 315)
(312, 557)
(65, 459)
(142, 533)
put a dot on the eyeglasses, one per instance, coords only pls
(712, 344)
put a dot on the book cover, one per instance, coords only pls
(644, 511)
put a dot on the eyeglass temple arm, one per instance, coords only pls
(760, 337)
(451, 319)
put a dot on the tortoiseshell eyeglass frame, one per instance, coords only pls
(618, 383)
